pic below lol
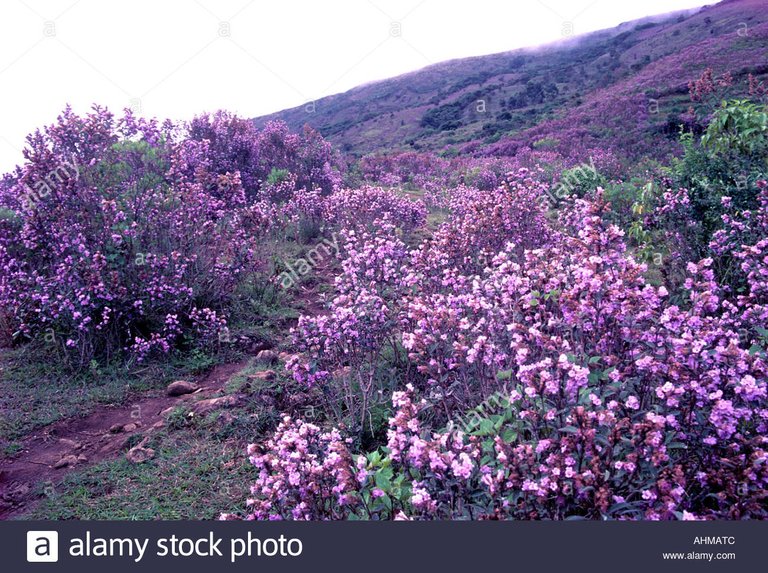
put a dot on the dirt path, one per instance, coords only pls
(314, 294)
(83, 441)
(108, 432)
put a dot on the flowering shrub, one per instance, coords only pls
(557, 383)
(232, 146)
(348, 340)
(373, 260)
(341, 350)
(235, 145)
(579, 296)
(128, 248)
(356, 208)
(612, 455)
(311, 158)
(481, 222)
(304, 473)
(409, 168)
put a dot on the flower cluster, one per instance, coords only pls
(304, 474)
(123, 234)
(356, 208)
(565, 384)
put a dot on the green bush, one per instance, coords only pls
(727, 162)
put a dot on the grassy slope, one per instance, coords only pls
(37, 392)
(390, 114)
(200, 468)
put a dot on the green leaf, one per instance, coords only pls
(509, 435)
(382, 480)
(569, 430)
(485, 428)
(504, 375)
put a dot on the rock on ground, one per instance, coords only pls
(69, 460)
(181, 387)
(267, 357)
(266, 375)
(139, 454)
(204, 407)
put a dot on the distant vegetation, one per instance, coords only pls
(629, 83)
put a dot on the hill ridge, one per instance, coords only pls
(521, 89)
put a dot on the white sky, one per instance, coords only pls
(177, 58)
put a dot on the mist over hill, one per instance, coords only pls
(625, 84)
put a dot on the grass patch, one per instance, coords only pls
(189, 478)
(37, 391)
(200, 468)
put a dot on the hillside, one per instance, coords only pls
(532, 297)
(627, 83)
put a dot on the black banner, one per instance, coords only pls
(386, 547)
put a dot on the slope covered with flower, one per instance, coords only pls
(617, 89)
(532, 336)
(549, 380)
